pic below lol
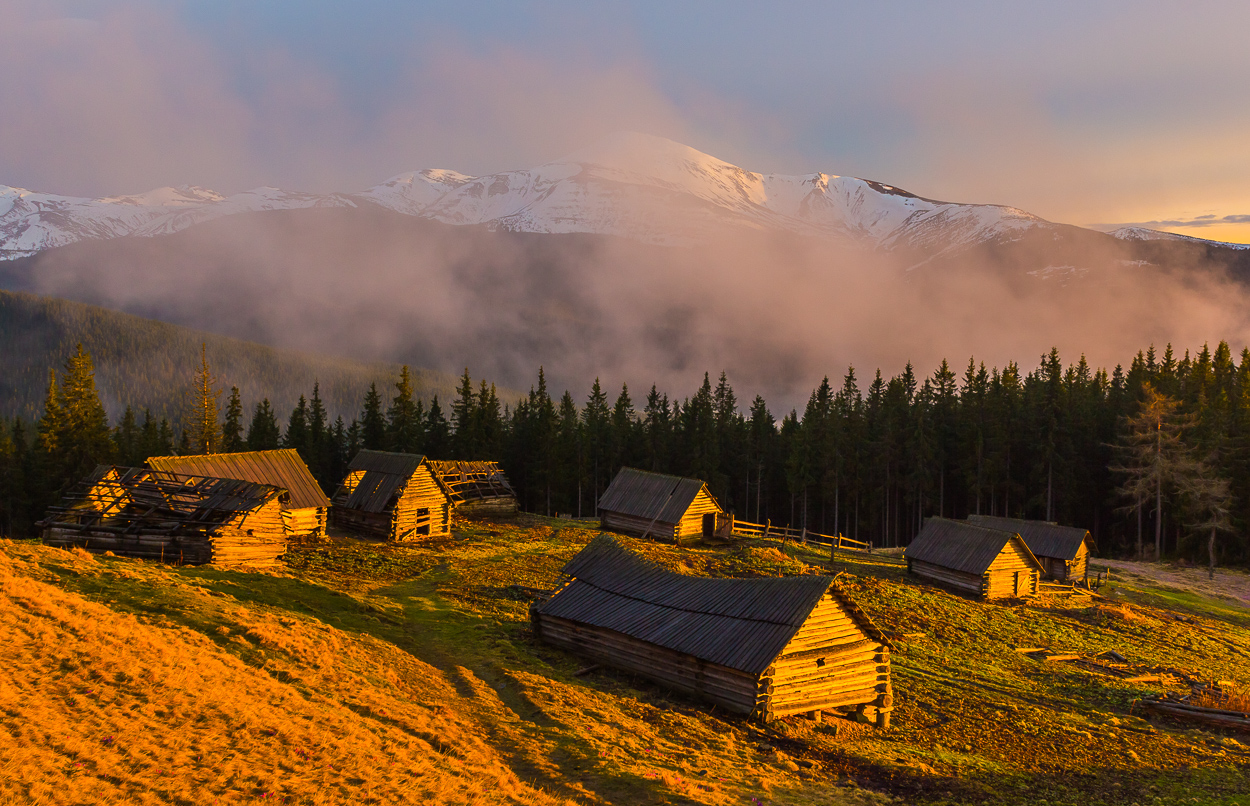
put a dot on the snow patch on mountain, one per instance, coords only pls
(1144, 234)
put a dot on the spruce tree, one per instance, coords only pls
(373, 421)
(232, 427)
(263, 433)
(405, 429)
(464, 420)
(296, 435)
(437, 432)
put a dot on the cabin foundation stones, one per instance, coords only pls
(304, 511)
(393, 496)
(988, 563)
(154, 515)
(765, 648)
(667, 508)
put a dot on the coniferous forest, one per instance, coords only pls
(1154, 459)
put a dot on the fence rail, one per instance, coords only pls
(783, 533)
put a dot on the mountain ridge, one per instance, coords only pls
(628, 184)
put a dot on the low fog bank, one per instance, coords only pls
(775, 312)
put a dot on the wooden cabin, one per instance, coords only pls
(766, 648)
(990, 563)
(1063, 551)
(668, 508)
(394, 496)
(306, 508)
(476, 488)
(151, 514)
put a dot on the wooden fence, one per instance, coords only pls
(784, 533)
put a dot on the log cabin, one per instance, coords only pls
(668, 508)
(765, 648)
(989, 563)
(151, 514)
(305, 510)
(394, 496)
(476, 488)
(1063, 551)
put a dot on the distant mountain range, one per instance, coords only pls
(632, 185)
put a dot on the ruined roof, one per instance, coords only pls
(280, 468)
(131, 498)
(962, 546)
(653, 496)
(1044, 538)
(385, 474)
(472, 481)
(738, 623)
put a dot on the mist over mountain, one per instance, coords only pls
(636, 259)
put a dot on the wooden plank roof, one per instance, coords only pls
(654, 496)
(963, 546)
(385, 473)
(130, 498)
(738, 623)
(1045, 539)
(281, 468)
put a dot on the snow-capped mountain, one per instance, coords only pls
(1144, 234)
(632, 185)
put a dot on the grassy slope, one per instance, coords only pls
(374, 673)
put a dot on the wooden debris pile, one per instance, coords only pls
(1108, 664)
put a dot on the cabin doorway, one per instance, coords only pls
(709, 524)
(1020, 580)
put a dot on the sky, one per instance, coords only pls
(1092, 113)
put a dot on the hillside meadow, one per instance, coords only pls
(372, 673)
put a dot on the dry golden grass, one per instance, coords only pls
(102, 707)
(1232, 699)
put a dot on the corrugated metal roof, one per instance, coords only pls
(1045, 539)
(385, 473)
(280, 468)
(738, 623)
(961, 545)
(654, 496)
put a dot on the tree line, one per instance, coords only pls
(1152, 459)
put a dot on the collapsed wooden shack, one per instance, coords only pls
(394, 496)
(138, 512)
(990, 563)
(663, 507)
(767, 648)
(304, 512)
(1063, 551)
(476, 488)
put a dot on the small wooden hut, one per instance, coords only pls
(304, 512)
(663, 507)
(476, 488)
(395, 496)
(991, 563)
(138, 512)
(1063, 551)
(762, 647)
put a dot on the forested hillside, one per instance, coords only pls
(148, 364)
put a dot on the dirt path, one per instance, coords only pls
(1229, 584)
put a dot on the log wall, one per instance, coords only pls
(1001, 578)
(422, 509)
(969, 583)
(691, 525)
(830, 662)
(735, 691)
(306, 522)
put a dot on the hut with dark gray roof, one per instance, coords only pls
(394, 496)
(1063, 551)
(305, 510)
(663, 507)
(990, 563)
(766, 648)
(138, 512)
